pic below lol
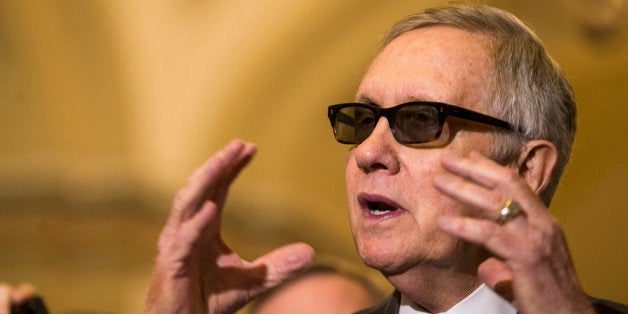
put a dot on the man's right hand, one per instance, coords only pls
(195, 271)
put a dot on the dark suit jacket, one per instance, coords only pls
(391, 306)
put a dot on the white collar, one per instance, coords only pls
(482, 300)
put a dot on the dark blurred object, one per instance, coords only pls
(34, 305)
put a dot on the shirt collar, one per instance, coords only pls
(482, 300)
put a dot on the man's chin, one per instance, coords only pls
(385, 262)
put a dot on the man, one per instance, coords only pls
(462, 127)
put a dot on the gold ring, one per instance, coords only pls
(511, 210)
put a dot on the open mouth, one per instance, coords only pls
(377, 205)
(379, 208)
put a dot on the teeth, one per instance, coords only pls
(379, 209)
(379, 212)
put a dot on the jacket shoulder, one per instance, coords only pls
(602, 306)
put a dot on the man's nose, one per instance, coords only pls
(379, 151)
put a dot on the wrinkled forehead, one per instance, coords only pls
(436, 63)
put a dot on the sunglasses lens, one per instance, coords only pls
(411, 123)
(353, 124)
(416, 124)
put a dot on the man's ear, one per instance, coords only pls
(536, 164)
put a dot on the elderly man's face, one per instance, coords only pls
(393, 204)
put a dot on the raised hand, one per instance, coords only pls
(20, 299)
(196, 272)
(532, 266)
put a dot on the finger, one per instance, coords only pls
(5, 299)
(23, 292)
(203, 182)
(475, 169)
(513, 184)
(499, 241)
(235, 168)
(498, 277)
(204, 222)
(521, 192)
(487, 201)
(505, 182)
(283, 262)
(218, 177)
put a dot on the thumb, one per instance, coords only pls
(5, 298)
(23, 292)
(285, 261)
(498, 277)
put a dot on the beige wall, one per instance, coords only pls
(105, 106)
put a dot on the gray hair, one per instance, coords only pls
(529, 88)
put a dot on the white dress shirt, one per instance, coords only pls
(483, 300)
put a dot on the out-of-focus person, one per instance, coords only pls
(320, 289)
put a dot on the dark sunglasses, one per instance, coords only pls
(411, 123)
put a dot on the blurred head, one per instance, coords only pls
(321, 290)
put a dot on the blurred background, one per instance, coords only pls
(106, 106)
